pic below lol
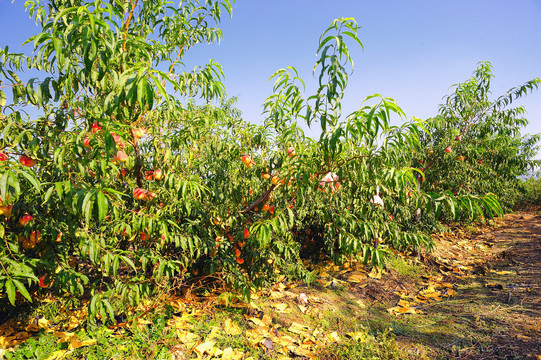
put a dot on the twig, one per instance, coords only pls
(258, 201)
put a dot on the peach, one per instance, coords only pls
(291, 151)
(95, 128)
(149, 175)
(138, 133)
(35, 237)
(140, 194)
(158, 174)
(26, 161)
(25, 219)
(121, 156)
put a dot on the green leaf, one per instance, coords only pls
(31, 177)
(3, 99)
(103, 206)
(22, 289)
(10, 290)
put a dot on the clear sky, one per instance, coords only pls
(413, 50)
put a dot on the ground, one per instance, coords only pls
(477, 296)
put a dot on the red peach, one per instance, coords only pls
(95, 128)
(158, 174)
(26, 161)
(149, 175)
(25, 219)
(121, 156)
(291, 151)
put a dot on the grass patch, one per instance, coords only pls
(406, 267)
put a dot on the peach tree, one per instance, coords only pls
(475, 146)
(122, 174)
(74, 147)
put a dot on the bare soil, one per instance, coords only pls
(496, 313)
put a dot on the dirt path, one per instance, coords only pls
(496, 313)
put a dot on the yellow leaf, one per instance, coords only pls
(358, 336)
(75, 343)
(64, 336)
(375, 274)
(231, 328)
(232, 354)
(57, 355)
(228, 354)
(205, 347)
(303, 308)
(73, 323)
(300, 329)
(503, 272)
(180, 322)
(280, 307)
(333, 337)
(214, 332)
(256, 321)
(403, 303)
(432, 295)
(187, 338)
(357, 278)
(402, 310)
(267, 319)
(32, 327)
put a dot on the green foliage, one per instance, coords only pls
(530, 192)
(487, 151)
(118, 217)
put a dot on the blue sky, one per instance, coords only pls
(413, 50)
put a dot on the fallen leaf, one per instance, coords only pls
(280, 307)
(205, 347)
(231, 328)
(256, 321)
(300, 329)
(333, 337)
(230, 354)
(267, 319)
(59, 354)
(503, 272)
(64, 336)
(75, 343)
(359, 336)
(214, 332)
(357, 278)
(403, 303)
(402, 310)
(187, 338)
(375, 274)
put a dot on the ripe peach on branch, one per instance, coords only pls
(27, 161)
(121, 156)
(247, 160)
(291, 151)
(138, 132)
(25, 219)
(95, 127)
(158, 174)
